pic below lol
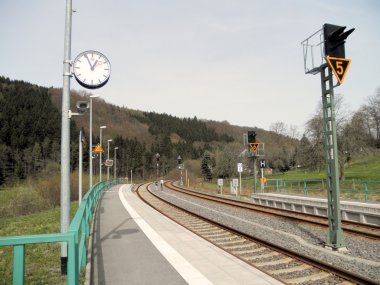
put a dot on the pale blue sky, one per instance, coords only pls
(234, 60)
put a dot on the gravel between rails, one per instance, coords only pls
(362, 257)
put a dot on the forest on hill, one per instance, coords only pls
(30, 132)
(30, 129)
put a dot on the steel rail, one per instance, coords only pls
(326, 267)
(370, 231)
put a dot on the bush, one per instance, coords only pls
(21, 201)
(50, 190)
(37, 195)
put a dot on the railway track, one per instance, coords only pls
(363, 230)
(286, 266)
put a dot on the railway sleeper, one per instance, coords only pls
(220, 239)
(226, 244)
(262, 256)
(247, 246)
(293, 269)
(314, 277)
(243, 250)
(208, 230)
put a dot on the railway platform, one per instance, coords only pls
(361, 212)
(132, 243)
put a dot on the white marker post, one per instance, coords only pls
(240, 170)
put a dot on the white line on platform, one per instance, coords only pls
(183, 267)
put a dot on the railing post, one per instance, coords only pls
(18, 264)
(72, 260)
(86, 218)
(305, 187)
(84, 238)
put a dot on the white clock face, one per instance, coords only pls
(92, 69)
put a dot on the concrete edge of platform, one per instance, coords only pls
(188, 272)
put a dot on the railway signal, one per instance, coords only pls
(251, 136)
(335, 38)
(256, 149)
(333, 53)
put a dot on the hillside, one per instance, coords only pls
(30, 136)
(146, 127)
(173, 136)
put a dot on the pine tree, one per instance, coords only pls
(206, 166)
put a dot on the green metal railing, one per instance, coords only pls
(75, 237)
(367, 190)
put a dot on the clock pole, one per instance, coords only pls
(65, 137)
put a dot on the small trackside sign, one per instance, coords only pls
(98, 149)
(339, 66)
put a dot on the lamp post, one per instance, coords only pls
(114, 168)
(100, 156)
(81, 139)
(90, 142)
(108, 158)
(65, 136)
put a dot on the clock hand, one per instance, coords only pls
(89, 62)
(93, 67)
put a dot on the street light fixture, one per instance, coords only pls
(90, 143)
(114, 168)
(100, 156)
(108, 158)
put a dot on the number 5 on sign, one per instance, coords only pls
(339, 67)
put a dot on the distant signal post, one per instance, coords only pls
(255, 150)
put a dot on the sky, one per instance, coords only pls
(239, 61)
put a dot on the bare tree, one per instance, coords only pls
(315, 133)
(373, 111)
(227, 159)
(293, 132)
(278, 128)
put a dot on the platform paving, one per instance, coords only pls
(134, 244)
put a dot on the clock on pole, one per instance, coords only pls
(92, 69)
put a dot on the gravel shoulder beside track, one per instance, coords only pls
(362, 257)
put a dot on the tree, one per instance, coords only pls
(36, 156)
(293, 132)
(278, 128)
(226, 159)
(303, 153)
(5, 163)
(206, 166)
(315, 135)
(373, 111)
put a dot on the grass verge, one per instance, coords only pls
(42, 261)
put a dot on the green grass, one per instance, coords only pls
(356, 176)
(367, 168)
(42, 261)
